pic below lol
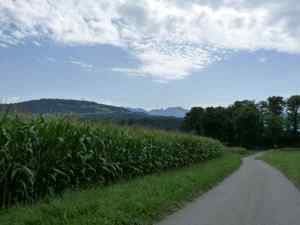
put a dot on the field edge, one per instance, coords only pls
(141, 201)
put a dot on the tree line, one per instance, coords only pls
(270, 123)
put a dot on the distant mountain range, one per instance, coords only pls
(167, 119)
(64, 106)
(171, 111)
(137, 110)
(178, 112)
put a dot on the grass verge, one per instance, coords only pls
(140, 201)
(287, 161)
(241, 151)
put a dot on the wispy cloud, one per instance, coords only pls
(2, 45)
(170, 38)
(263, 59)
(36, 43)
(72, 61)
(81, 64)
(50, 59)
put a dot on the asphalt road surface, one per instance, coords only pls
(256, 194)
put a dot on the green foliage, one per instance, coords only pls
(271, 123)
(239, 150)
(274, 129)
(140, 201)
(293, 106)
(287, 160)
(211, 122)
(246, 122)
(274, 123)
(61, 106)
(238, 124)
(193, 120)
(44, 156)
(216, 123)
(137, 119)
(276, 105)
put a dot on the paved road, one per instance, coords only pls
(256, 194)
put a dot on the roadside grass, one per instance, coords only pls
(287, 160)
(136, 202)
(241, 151)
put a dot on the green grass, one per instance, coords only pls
(286, 160)
(139, 201)
(241, 151)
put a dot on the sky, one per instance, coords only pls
(149, 53)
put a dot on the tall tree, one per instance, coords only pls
(273, 110)
(247, 123)
(193, 120)
(276, 105)
(293, 107)
(216, 123)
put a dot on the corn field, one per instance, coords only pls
(42, 157)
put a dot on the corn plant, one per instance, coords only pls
(44, 156)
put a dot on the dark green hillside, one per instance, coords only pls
(61, 106)
(138, 119)
(94, 111)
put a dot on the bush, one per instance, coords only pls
(44, 156)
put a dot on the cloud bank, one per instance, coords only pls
(169, 38)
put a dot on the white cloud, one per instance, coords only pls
(170, 38)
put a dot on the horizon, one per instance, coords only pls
(191, 53)
(17, 101)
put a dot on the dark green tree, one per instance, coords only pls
(247, 123)
(193, 120)
(293, 109)
(274, 123)
(216, 123)
(276, 105)
(274, 129)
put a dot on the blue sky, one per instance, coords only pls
(191, 53)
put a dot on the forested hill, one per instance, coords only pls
(94, 111)
(46, 106)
